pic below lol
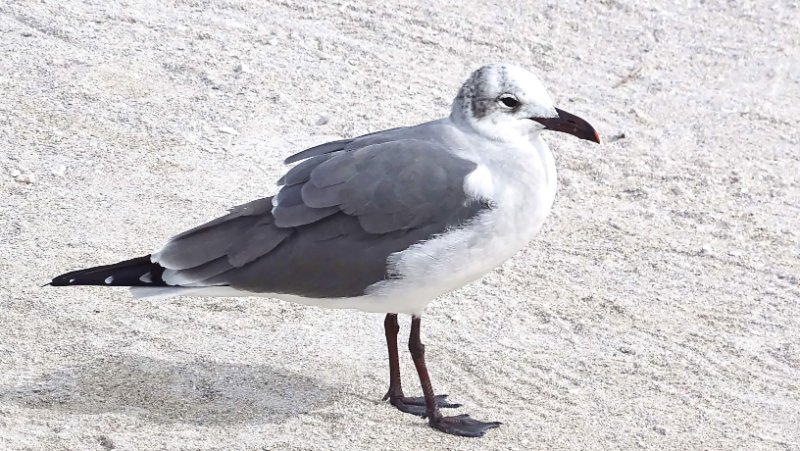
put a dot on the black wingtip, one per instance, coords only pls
(65, 279)
(58, 281)
(136, 272)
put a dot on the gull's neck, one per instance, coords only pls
(522, 159)
(546, 161)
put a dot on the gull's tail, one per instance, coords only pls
(137, 272)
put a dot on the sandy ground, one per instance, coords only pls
(657, 310)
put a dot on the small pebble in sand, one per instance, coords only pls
(28, 178)
(615, 137)
(642, 116)
(106, 442)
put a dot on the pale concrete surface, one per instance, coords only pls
(657, 310)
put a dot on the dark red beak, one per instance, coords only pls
(569, 123)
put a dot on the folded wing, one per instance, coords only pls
(329, 230)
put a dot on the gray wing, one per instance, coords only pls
(330, 229)
(344, 144)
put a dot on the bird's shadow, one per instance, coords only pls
(202, 393)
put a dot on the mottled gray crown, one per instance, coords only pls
(478, 95)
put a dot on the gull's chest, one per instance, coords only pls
(521, 188)
(520, 191)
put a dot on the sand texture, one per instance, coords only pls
(658, 309)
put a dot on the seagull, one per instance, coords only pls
(384, 223)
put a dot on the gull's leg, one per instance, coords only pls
(461, 425)
(391, 328)
(412, 405)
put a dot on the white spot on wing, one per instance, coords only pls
(275, 202)
(146, 277)
(479, 183)
(109, 279)
(71, 280)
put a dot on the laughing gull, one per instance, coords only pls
(385, 222)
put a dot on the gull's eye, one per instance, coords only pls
(508, 101)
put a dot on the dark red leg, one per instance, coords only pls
(412, 405)
(461, 425)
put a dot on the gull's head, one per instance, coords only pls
(506, 102)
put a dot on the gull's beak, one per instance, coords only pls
(569, 123)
